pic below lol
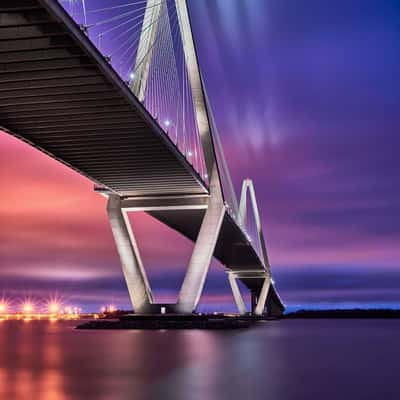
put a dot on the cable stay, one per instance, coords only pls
(118, 31)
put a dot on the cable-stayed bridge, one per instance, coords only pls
(114, 91)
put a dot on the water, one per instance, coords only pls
(292, 359)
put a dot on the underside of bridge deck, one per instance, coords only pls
(58, 93)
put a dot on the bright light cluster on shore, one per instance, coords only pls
(53, 309)
(3, 307)
(28, 310)
(109, 309)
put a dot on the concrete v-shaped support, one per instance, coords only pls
(259, 298)
(265, 275)
(262, 299)
(203, 251)
(132, 266)
(240, 304)
(248, 186)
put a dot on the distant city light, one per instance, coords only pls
(27, 308)
(54, 308)
(3, 307)
(51, 310)
(68, 310)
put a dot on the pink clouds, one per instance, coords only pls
(51, 213)
(53, 217)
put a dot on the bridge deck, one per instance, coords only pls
(58, 93)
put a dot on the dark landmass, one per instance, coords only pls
(173, 321)
(115, 314)
(124, 320)
(350, 313)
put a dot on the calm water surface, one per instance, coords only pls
(293, 359)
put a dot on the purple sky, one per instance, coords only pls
(306, 96)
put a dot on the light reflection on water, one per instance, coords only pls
(325, 359)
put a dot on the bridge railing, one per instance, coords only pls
(141, 40)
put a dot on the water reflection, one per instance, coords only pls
(282, 360)
(195, 376)
(31, 358)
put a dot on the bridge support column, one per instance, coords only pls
(200, 260)
(253, 300)
(241, 306)
(203, 251)
(132, 267)
(193, 283)
(274, 309)
(262, 298)
(262, 290)
(249, 186)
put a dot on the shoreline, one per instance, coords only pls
(344, 314)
